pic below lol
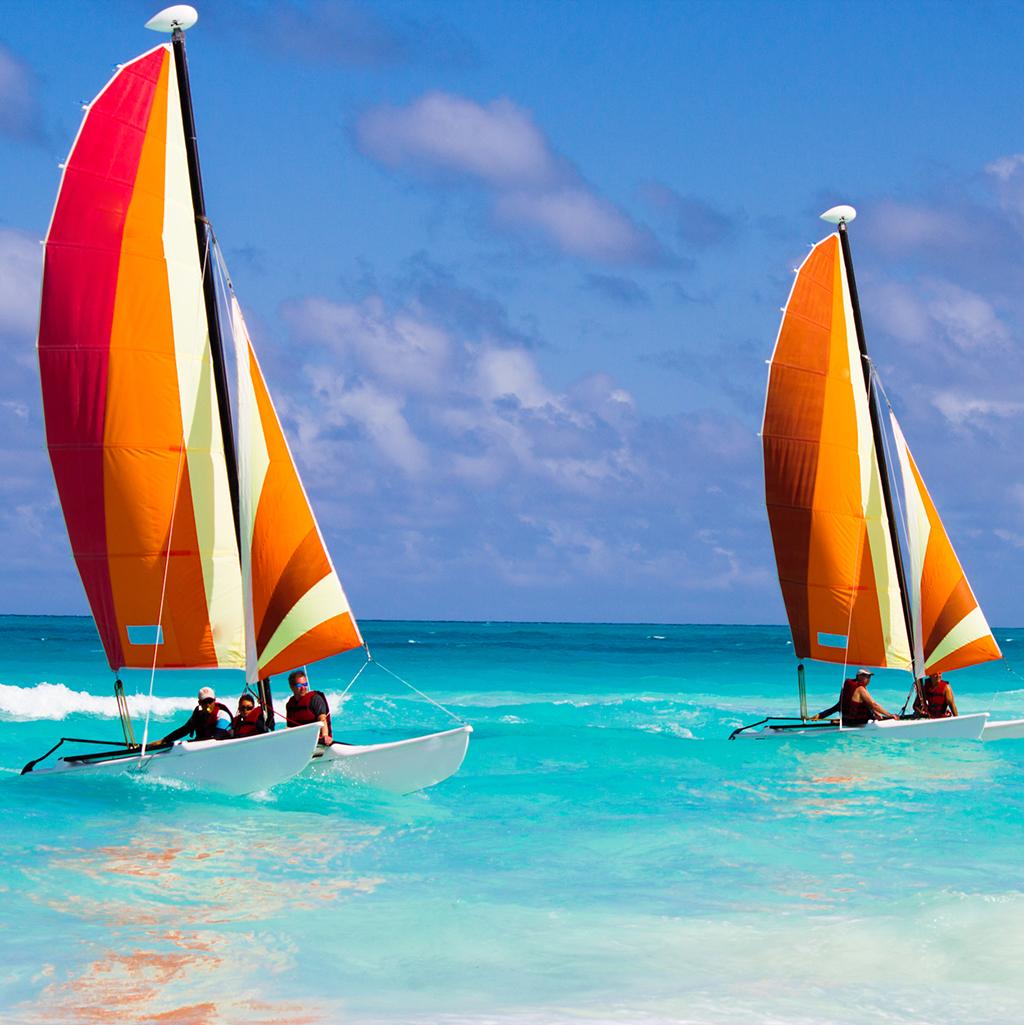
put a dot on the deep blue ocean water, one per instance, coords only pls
(605, 854)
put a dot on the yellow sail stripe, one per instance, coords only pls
(319, 604)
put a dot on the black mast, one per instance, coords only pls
(877, 430)
(204, 239)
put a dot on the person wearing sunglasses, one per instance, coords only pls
(305, 706)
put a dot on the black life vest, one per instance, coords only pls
(854, 713)
(248, 724)
(297, 711)
(208, 723)
(934, 691)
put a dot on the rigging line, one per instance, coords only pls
(426, 697)
(158, 639)
(359, 673)
(1013, 672)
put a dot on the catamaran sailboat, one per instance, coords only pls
(192, 533)
(850, 595)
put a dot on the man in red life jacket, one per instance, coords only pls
(934, 698)
(855, 704)
(210, 720)
(250, 719)
(307, 705)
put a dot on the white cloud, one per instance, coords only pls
(511, 373)
(964, 410)
(381, 416)
(579, 222)
(901, 311)
(933, 309)
(485, 414)
(334, 403)
(403, 350)
(968, 319)
(903, 227)
(1011, 537)
(498, 145)
(496, 142)
(1007, 175)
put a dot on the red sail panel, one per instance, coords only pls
(123, 395)
(832, 543)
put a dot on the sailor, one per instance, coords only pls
(210, 720)
(250, 719)
(934, 698)
(855, 704)
(305, 706)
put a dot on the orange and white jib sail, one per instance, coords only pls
(833, 547)
(950, 629)
(296, 609)
(128, 395)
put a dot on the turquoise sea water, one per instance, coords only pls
(605, 854)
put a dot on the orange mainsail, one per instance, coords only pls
(950, 629)
(829, 526)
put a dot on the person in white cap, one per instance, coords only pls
(210, 720)
(855, 704)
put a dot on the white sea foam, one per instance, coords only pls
(57, 701)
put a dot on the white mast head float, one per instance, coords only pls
(180, 16)
(838, 214)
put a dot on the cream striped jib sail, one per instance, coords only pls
(853, 596)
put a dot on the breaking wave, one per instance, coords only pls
(57, 701)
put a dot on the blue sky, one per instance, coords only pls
(514, 270)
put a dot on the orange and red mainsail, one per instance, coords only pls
(133, 420)
(950, 628)
(128, 396)
(823, 488)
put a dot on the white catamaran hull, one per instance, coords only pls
(1007, 729)
(959, 727)
(400, 767)
(232, 767)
